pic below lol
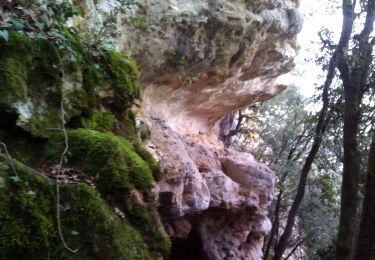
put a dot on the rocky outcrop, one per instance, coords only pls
(204, 59)
(223, 194)
(200, 61)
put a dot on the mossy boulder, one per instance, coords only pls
(35, 76)
(111, 159)
(97, 89)
(123, 77)
(28, 223)
(31, 84)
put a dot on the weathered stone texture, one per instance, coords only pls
(201, 60)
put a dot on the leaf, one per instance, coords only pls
(40, 36)
(74, 232)
(4, 34)
(18, 25)
(73, 58)
(15, 178)
(40, 25)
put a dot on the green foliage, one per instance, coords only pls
(285, 130)
(110, 159)
(109, 24)
(4, 34)
(42, 20)
(319, 217)
(28, 224)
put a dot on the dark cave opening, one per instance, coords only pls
(188, 249)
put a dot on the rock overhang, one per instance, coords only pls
(201, 60)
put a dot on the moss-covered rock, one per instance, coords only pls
(28, 225)
(123, 75)
(32, 84)
(34, 76)
(154, 236)
(128, 129)
(110, 159)
(100, 121)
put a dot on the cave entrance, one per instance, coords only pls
(188, 249)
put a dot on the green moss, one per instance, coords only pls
(146, 156)
(131, 117)
(123, 75)
(112, 239)
(28, 225)
(129, 130)
(18, 69)
(109, 158)
(12, 81)
(100, 121)
(24, 214)
(31, 84)
(154, 236)
(108, 71)
(30, 87)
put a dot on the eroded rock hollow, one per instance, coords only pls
(200, 61)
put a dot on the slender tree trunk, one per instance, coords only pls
(274, 225)
(296, 246)
(366, 237)
(319, 131)
(283, 242)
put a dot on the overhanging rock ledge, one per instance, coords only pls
(200, 61)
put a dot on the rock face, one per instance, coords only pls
(204, 59)
(200, 61)
(221, 193)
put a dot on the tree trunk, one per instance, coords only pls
(366, 237)
(319, 131)
(349, 188)
(274, 229)
(354, 80)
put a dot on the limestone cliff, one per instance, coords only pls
(200, 61)
(74, 112)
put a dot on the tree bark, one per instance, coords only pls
(366, 237)
(274, 225)
(354, 80)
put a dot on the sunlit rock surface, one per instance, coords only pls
(200, 61)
